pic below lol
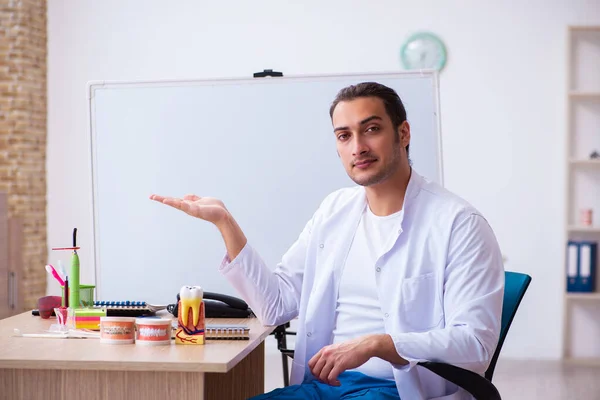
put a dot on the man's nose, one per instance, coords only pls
(359, 147)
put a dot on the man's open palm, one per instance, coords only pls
(206, 208)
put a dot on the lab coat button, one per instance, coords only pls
(387, 315)
(378, 269)
(309, 334)
(321, 245)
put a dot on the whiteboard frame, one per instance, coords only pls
(92, 86)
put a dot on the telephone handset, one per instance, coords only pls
(217, 305)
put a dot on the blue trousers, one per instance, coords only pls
(353, 385)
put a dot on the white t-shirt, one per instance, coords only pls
(358, 310)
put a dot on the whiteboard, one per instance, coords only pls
(264, 146)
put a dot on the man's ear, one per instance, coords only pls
(404, 133)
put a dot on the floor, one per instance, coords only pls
(531, 380)
(549, 380)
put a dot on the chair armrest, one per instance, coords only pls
(280, 334)
(477, 385)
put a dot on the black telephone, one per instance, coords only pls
(218, 305)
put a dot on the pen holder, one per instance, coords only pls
(86, 296)
(61, 315)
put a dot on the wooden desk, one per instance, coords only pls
(85, 369)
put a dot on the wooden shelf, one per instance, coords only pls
(577, 94)
(583, 296)
(589, 229)
(595, 162)
(585, 28)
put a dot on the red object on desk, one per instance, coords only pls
(47, 304)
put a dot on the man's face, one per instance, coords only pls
(370, 148)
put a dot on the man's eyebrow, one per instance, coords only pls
(364, 121)
(371, 118)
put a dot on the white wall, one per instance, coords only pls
(502, 97)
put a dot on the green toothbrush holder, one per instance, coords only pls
(86, 296)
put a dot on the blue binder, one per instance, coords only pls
(582, 257)
(587, 266)
(572, 261)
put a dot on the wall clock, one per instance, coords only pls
(423, 50)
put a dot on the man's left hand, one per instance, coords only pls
(334, 359)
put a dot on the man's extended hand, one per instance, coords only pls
(334, 359)
(211, 210)
(206, 208)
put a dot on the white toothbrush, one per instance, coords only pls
(71, 334)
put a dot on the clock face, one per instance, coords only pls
(423, 51)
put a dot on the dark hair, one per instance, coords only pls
(392, 102)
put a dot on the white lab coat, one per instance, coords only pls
(440, 284)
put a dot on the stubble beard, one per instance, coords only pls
(381, 176)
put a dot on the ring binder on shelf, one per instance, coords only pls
(572, 266)
(581, 266)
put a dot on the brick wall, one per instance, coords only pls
(23, 132)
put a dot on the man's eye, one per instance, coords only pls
(373, 129)
(343, 136)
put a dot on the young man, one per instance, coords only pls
(386, 274)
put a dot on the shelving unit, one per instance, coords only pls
(583, 296)
(582, 310)
(583, 229)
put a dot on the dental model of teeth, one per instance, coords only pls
(191, 326)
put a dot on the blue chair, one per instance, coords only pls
(481, 387)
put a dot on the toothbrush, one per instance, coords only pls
(61, 269)
(52, 271)
(71, 334)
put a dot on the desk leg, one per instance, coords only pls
(245, 380)
(34, 384)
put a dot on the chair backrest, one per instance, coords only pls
(515, 286)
